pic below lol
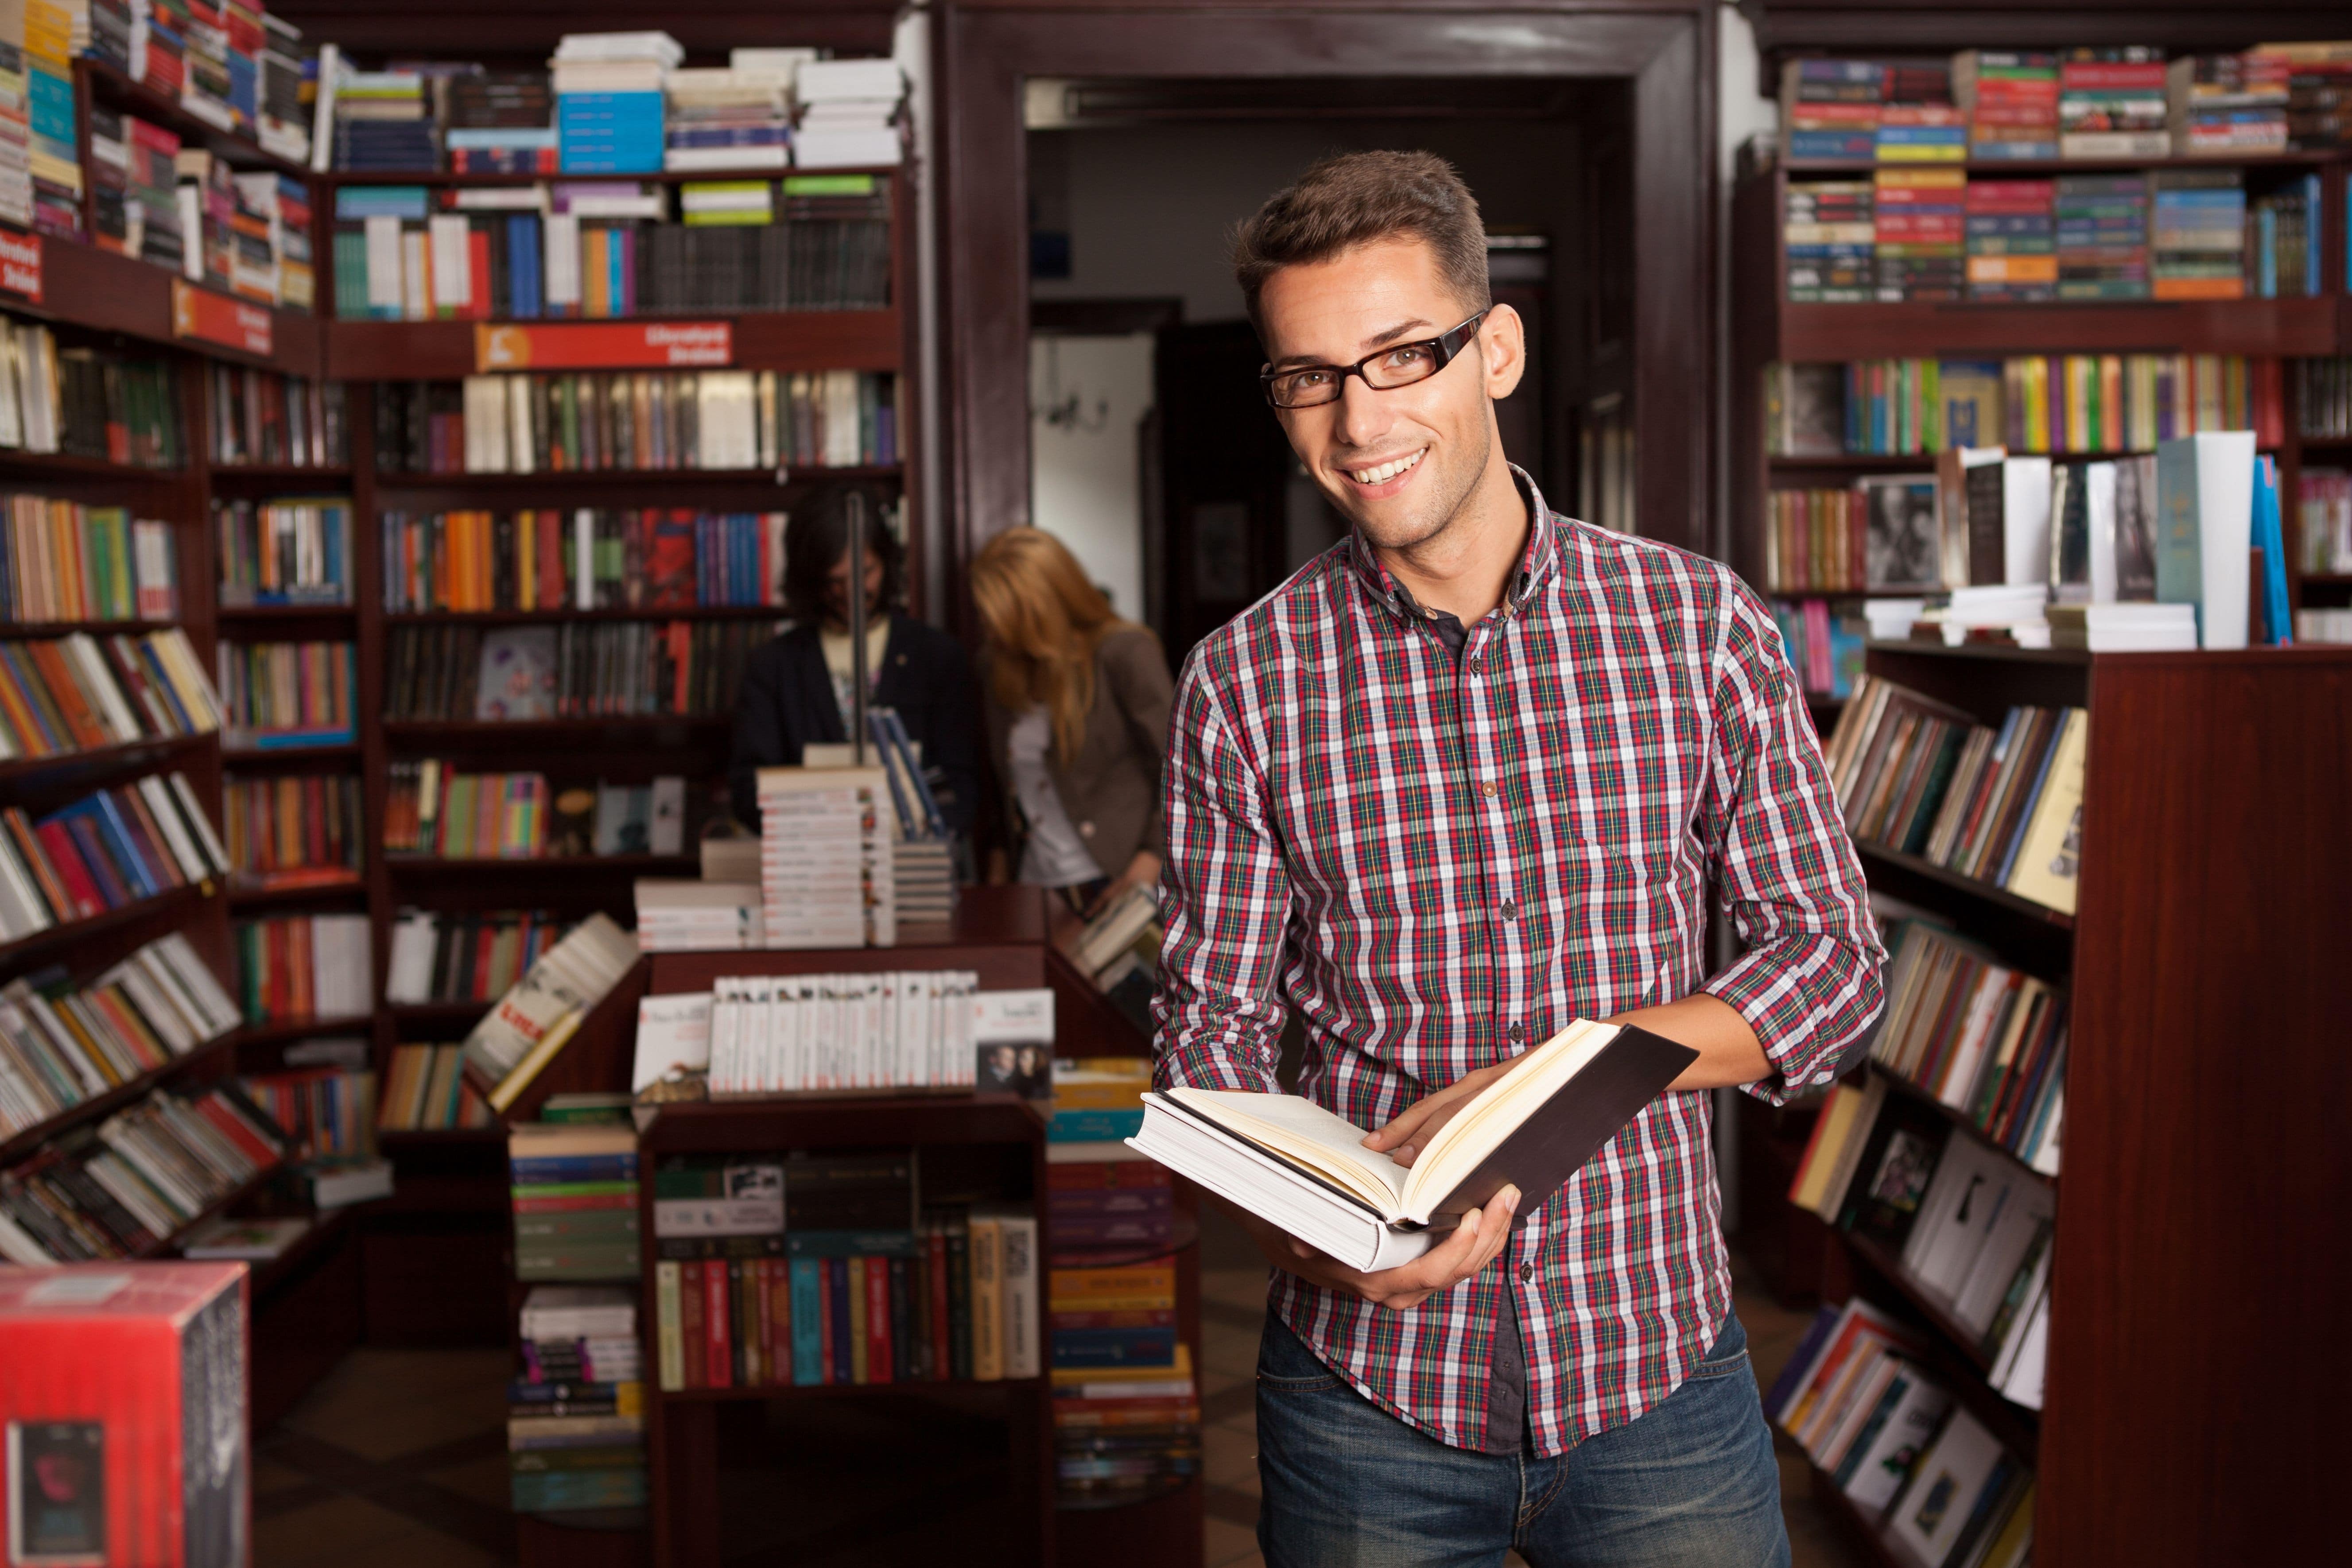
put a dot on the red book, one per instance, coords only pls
(573, 1205)
(30, 850)
(64, 859)
(779, 1286)
(477, 273)
(720, 1357)
(232, 1128)
(145, 1463)
(879, 1344)
(935, 1241)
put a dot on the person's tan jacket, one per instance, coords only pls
(1111, 788)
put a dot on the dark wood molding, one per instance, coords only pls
(1104, 318)
(1879, 27)
(1667, 54)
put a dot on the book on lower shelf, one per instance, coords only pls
(297, 967)
(294, 551)
(294, 830)
(81, 692)
(147, 1172)
(65, 560)
(276, 695)
(575, 1412)
(252, 1240)
(426, 1089)
(690, 669)
(475, 955)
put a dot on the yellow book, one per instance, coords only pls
(2050, 857)
(986, 1241)
(859, 1369)
(1180, 1371)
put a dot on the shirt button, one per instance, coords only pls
(1477, 664)
(1490, 789)
(1526, 1272)
(1516, 1033)
(1510, 909)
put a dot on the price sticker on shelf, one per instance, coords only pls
(603, 345)
(211, 318)
(20, 265)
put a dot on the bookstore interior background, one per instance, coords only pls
(435, 1127)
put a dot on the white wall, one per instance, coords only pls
(1083, 484)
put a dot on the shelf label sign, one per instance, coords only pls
(20, 265)
(603, 345)
(211, 318)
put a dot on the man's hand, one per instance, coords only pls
(1410, 1131)
(1473, 1245)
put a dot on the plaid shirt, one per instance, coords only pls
(1440, 863)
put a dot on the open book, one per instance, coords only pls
(1289, 1161)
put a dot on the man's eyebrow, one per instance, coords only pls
(1372, 344)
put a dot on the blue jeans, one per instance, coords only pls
(1692, 1484)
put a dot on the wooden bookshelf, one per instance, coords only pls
(2197, 1210)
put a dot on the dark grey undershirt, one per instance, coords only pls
(1507, 1378)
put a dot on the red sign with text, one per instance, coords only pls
(603, 345)
(211, 318)
(20, 265)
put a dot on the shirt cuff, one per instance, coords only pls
(1799, 1031)
(1214, 1064)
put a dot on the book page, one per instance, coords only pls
(1496, 1113)
(1304, 1133)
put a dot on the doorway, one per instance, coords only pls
(1608, 117)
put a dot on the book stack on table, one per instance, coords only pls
(576, 1427)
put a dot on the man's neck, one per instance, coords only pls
(1465, 568)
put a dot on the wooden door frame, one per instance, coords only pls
(1667, 51)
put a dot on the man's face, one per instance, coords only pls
(1398, 464)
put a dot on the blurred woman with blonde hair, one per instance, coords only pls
(1078, 705)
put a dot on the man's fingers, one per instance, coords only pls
(1404, 1123)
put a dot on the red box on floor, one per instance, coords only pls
(122, 1396)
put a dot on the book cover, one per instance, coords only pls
(517, 674)
(2205, 493)
(1904, 541)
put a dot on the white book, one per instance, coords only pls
(522, 454)
(816, 81)
(414, 272)
(97, 681)
(837, 149)
(171, 1026)
(198, 980)
(2023, 1213)
(21, 909)
(1984, 1183)
(2204, 531)
(2025, 520)
(483, 398)
(408, 978)
(1933, 1511)
(190, 201)
(673, 1036)
(177, 838)
(452, 266)
(2023, 1383)
(560, 235)
(386, 296)
(1872, 1479)
(198, 823)
(583, 559)
(2099, 513)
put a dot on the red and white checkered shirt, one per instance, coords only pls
(1440, 863)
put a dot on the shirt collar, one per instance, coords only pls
(1542, 549)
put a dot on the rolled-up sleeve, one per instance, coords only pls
(1808, 981)
(1226, 898)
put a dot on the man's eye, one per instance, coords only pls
(1307, 380)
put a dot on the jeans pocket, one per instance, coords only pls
(1729, 1354)
(1285, 1364)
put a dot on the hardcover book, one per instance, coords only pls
(1289, 1161)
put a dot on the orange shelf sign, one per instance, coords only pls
(20, 265)
(211, 318)
(602, 345)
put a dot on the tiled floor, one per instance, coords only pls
(399, 1457)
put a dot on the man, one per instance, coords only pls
(1464, 778)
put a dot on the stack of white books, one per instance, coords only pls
(613, 62)
(2021, 610)
(923, 875)
(825, 860)
(786, 1034)
(849, 112)
(735, 116)
(2125, 627)
(681, 916)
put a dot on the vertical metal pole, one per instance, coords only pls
(857, 678)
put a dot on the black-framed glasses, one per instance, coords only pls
(1399, 364)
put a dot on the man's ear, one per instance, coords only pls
(1502, 350)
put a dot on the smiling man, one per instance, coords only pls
(1469, 776)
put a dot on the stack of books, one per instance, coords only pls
(576, 1427)
(61, 561)
(382, 124)
(281, 695)
(113, 848)
(1829, 234)
(293, 830)
(282, 125)
(2197, 239)
(608, 100)
(2010, 98)
(629, 668)
(158, 57)
(87, 401)
(790, 1033)
(2319, 87)
(2228, 105)
(532, 1022)
(150, 193)
(2101, 224)
(16, 139)
(52, 143)
(1920, 123)
(81, 694)
(207, 218)
(425, 1091)
(500, 123)
(839, 231)
(61, 1044)
(2323, 398)
(1824, 647)
(445, 956)
(2282, 243)
(1920, 233)
(680, 916)
(575, 1196)
(849, 112)
(826, 860)
(1831, 109)
(2324, 497)
(286, 552)
(153, 1168)
(1127, 1411)
(2000, 805)
(735, 118)
(1816, 540)
(722, 1287)
(2113, 103)
(2013, 239)
(435, 810)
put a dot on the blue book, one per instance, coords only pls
(1093, 1126)
(808, 1338)
(558, 1168)
(2269, 537)
(852, 1243)
(1114, 1347)
(2311, 247)
(1998, 875)
(836, 1279)
(134, 848)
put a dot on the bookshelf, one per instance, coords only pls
(2195, 1214)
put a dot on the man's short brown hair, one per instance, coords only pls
(1361, 198)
